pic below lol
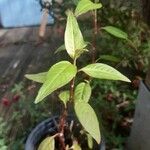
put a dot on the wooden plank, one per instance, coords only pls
(7, 54)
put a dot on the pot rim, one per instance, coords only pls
(44, 127)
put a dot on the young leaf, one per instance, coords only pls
(47, 144)
(76, 146)
(85, 6)
(59, 75)
(64, 97)
(103, 71)
(61, 48)
(82, 92)
(90, 141)
(88, 119)
(40, 77)
(74, 41)
(116, 32)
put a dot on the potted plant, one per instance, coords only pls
(66, 132)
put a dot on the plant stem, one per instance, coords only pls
(62, 124)
(72, 85)
(94, 36)
(63, 117)
(72, 89)
(131, 44)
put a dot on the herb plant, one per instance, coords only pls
(65, 72)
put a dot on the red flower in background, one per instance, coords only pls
(16, 98)
(5, 101)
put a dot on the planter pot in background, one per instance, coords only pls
(47, 127)
(140, 133)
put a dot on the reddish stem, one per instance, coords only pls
(72, 89)
(62, 124)
(94, 36)
(72, 85)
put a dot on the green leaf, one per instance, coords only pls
(4, 147)
(90, 141)
(64, 97)
(76, 146)
(116, 32)
(85, 6)
(103, 71)
(61, 48)
(74, 41)
(47, 144)
(110, 58)
(59, 75)
(40, 77)
(82, 92)
(88, 119)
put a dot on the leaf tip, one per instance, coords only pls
(98, 138)
(37, 99)
(126, 79)
(26, 76)
(100, 5)
(35, 102)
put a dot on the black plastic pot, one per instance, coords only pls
(47, 127)
(140, 131)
